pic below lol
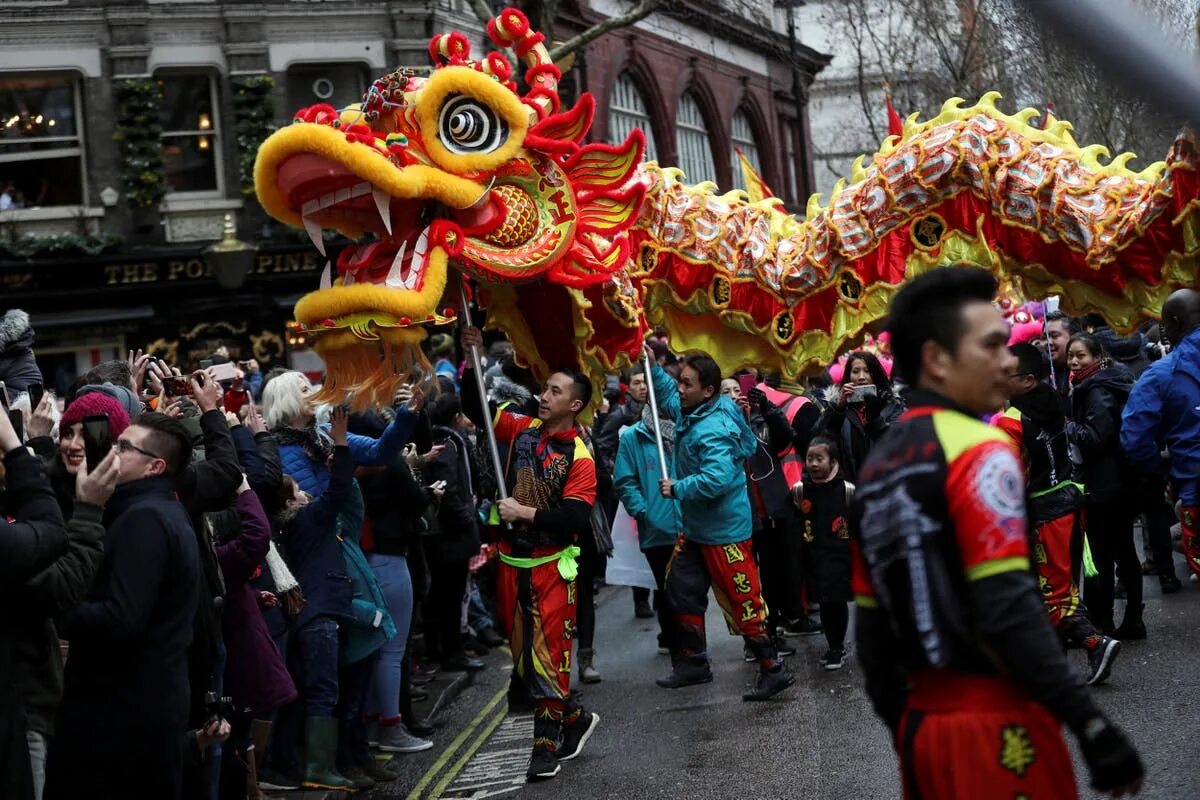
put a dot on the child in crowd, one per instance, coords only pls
(823, 497)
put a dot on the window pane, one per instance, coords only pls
(743, 139)
(187, 103)
(691, 137)
(32, 108)
(191, 164)
(627, 110)
(55, 181)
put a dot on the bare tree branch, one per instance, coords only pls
(642, 10)
(482, 11)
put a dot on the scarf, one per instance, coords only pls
(832, 475)
(287, 588)
(315, 445)
(1085, 373)
(666, 426)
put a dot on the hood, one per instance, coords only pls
(1115, 377)
(122, 394)
(1122, 348)
(504, 390)
(1043, 405)
(15, 331)
(723, 406)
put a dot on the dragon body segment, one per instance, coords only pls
(577, 248)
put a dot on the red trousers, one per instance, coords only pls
(1052, 557)
(1189, 519)
(971, 736)
(536, 608)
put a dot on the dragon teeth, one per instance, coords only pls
(314, 233)
(395, 278)
(327, 276)
(417, 264)
(383, 202)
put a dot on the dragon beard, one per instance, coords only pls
(368, 373)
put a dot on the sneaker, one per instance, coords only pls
(805, 626)
(686, 672)
(420, 727)
(748, 655)
(1100, 659)
(833, 659)
(663, 650)
(490, 637)
(575, 735)
(474, 647)
(642, 610)
(782, 647)
(769, 684)
(418, 694)
(462, 663)
(397, 739)
(542, 765)
(381, 771)
(274, 781)
(359, 778)
(1148, 567)
(1170, 584)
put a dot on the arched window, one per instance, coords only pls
(628, 111)
(743, 139)
(692, 142)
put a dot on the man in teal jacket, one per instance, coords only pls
(636, 474)
(712, 443)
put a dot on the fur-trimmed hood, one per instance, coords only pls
(504, 390)
(15, 331)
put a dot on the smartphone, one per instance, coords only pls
(177, 386)
(861, 393)
(18, 423)
(205, 363)
(223, 372)
(36, 390)
(97, 439)
(747, 382)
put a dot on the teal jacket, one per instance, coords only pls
(712, 444)
(363, 636)
(635, 479)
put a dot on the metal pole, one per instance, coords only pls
(652, 398)
(477, 364)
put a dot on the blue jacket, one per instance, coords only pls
(313, 477)
(1163, 410)
(362, 636)
(635, 479)
(712, 444)
(312, 551)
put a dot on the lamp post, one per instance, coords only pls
(230, 259)
(800, 95)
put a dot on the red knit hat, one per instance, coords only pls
(85, 405)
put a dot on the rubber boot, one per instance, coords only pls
(587, 672)
(320, 753)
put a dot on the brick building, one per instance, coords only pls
(103, 262)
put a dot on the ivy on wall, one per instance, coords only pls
(253, 112)
(65, 244)
(139, 133)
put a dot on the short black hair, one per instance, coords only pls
(168, 439)
(929, 308)
(1071, 323)
(1092, 343)
(114, 371)
(879, 375)
(821, 440)
(581, 387)
(706, 369)
(445, 408)
(1030, 360)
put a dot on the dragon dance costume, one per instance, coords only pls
(961, 662)
(536, 592)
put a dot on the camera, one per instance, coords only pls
(217, 708)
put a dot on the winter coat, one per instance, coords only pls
(1095, 428)
(854, 434)
(313, 477)
(395, 502)
(635, 478)
(712, 444)
(1161, 412)
(457, 538)
(126, 682)
(311, 549)
(608, 435)
(18, 368)
(372, 625)
(256, 675)
(258, 453)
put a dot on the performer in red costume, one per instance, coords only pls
(551, 479)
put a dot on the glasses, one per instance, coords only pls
(124, 446)
(1018, 374)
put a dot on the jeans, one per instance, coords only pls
(317, 644)
(383, 697)
(479, 619)
(37, 761)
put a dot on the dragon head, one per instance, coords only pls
(452, 169)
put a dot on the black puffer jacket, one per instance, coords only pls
(458, 535)
(18, 368)
(856, 434)
(1095, 428)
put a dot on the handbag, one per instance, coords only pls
(601, 530)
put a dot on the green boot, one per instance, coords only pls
(320, 753)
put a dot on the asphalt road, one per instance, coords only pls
(818, 740)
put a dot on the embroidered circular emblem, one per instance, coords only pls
(785, 326)
(719, 291)
(927, 231)
(806, 505)
(1000, 486)
(850, 287)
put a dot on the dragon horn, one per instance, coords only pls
(511, 29)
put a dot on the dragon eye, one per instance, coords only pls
(467, 126)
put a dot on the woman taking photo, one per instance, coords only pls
(1099, 389)
(861, 411)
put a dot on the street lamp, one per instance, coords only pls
(800, 95)
(230, 259)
